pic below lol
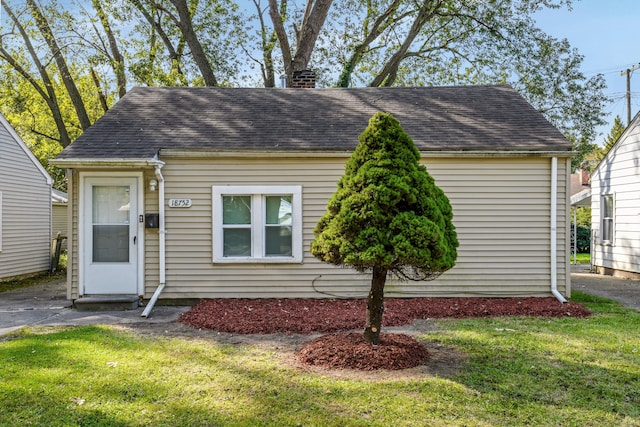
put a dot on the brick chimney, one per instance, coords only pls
(585, 176)
(304, 79)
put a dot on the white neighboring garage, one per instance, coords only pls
(25, 208)
(615, 207)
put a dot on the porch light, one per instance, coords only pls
(153, 185)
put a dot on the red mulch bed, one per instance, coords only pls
(308, 316)
(349, 350)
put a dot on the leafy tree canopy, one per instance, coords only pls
(616, 131)
(119, 43)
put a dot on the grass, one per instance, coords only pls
(518, 371)
(12, 283)
(26, 281)
(581, 258)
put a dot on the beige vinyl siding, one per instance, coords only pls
(618, 175)
(73, 274)
(501, 208)
(26, 211)
(60, 222)
(151, 239)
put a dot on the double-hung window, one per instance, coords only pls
(257, 223)
(607, 214)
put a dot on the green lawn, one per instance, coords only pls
(517, 371)
(24, 282)
(581, 258)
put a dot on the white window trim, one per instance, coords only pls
(603, 241)
(257, 220)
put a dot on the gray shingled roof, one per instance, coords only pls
(467, 118)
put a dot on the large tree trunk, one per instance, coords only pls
(65, 74)
(306, 36)
(375, 306)
(268, 43)
(389, 72)
(117, 60)
(186, 27)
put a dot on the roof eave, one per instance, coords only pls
(208, 153)
(88, 163)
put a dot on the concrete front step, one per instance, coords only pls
(107, 303)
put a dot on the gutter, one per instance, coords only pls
(82, 163)
(162, 254)
(275, 153)
(554, 231)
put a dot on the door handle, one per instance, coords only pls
(134, 239)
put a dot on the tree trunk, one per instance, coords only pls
(312, 22)
(101, 97)
(375, 306)
(277, 18)
(117, 61)
(388, 74)
(186, 27)
(309, 32)
(174, 55)
(65, 74)
(268, 43)
(47, 93)
(379, 26)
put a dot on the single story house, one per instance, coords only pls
(215, 192)
(615, 207)
(25, 208)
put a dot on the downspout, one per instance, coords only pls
(554, 231)
(162, 234)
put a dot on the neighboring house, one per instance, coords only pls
(615, 207)
(580, 198)
(25, 208)
(215, 192)
(59, 216)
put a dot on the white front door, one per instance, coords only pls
(110, 236)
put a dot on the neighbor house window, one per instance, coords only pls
(607, 209)
(257, 223)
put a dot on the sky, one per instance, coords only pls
(607, 34)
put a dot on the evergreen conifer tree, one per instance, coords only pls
(387, 216)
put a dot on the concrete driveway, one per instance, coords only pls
(46, 304)
(625, 291)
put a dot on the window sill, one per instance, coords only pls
(269, 260)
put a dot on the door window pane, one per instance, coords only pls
(110, 217)
(110, 204)
(110, 243)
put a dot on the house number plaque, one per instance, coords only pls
(179, 203)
